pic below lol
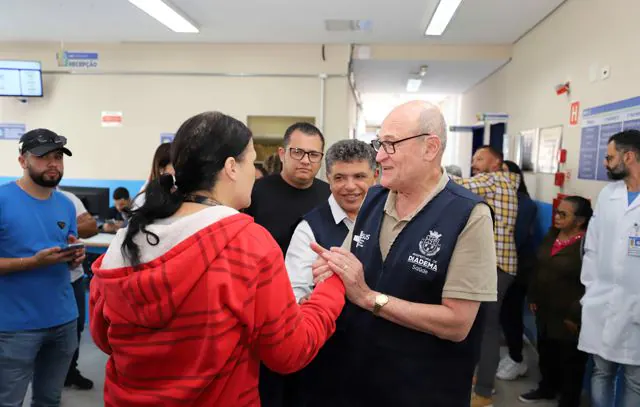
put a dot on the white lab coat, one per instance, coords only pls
(611, 304)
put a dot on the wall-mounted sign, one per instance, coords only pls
(598, 125)
(574, 114)
(67, 59)
(111, 119)
(166, 137)
(12, 131)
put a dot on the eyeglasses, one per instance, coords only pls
(390, 146)
(43, 139)
(298, 154)
(51, 139)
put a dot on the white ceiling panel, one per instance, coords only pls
(270, 21)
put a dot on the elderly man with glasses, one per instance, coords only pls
(278, 202)
(417, 266)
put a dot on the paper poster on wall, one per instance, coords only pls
(12, 131)
(111, 119)
(166, 137)
(506, 147)
(598, 125)
(548, 149)
(528, 149)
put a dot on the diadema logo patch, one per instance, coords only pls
(430, 244)
(428, 247)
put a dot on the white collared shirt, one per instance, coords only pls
(77, 272)
(300, 257)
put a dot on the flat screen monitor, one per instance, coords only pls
(96, 200)
(20, 78)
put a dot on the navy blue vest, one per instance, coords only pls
(324, 227)
(320, 381)
(384, 363)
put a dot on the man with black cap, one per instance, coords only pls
(38, 317)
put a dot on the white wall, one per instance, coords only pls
(564, 47)
(153, 101)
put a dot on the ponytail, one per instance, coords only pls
(162, 200)
(198, 153)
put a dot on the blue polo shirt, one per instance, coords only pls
(43, 297)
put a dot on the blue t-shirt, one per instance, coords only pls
(42, 297)
(632, 196)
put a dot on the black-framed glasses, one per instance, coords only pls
(298, 154)
(390, 146)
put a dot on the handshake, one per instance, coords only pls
(347, 267)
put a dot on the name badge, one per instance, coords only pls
(634, 246)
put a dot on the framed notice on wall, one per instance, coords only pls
(528, 149)
(548, 149)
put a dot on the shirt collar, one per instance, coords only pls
(338, 213)
(390, 205)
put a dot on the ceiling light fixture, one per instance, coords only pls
(442, 17)
(165, 14)
(413, 85)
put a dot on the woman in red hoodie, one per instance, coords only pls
(193, 294)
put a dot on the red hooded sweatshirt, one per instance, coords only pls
(211, 300)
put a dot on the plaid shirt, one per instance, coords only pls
(499, 189)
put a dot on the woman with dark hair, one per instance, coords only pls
(555, 295)
(161, 165)
(192, 295)
(511, 313)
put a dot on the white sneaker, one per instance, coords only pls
(511, 370)
(503, 362)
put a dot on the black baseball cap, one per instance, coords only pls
(41, 142)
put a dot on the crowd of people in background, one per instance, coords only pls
(232, 282)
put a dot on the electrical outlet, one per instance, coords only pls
(605, 73)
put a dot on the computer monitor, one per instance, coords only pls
(96, 200)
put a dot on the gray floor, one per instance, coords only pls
(92, 362)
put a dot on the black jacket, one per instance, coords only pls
(556, 288)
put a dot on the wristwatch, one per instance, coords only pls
(381, 301)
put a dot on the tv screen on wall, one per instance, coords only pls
(20, 78)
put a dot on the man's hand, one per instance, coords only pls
(347, 266)
(112, 227)
(77, 256)
(50, 256)
(320, 268)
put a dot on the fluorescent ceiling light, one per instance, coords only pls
(166, 15)
(413, 85)
(442, 17)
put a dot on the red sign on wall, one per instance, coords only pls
(574, 116)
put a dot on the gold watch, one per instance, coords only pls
(381, 301)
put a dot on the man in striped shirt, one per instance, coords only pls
(499, 189)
